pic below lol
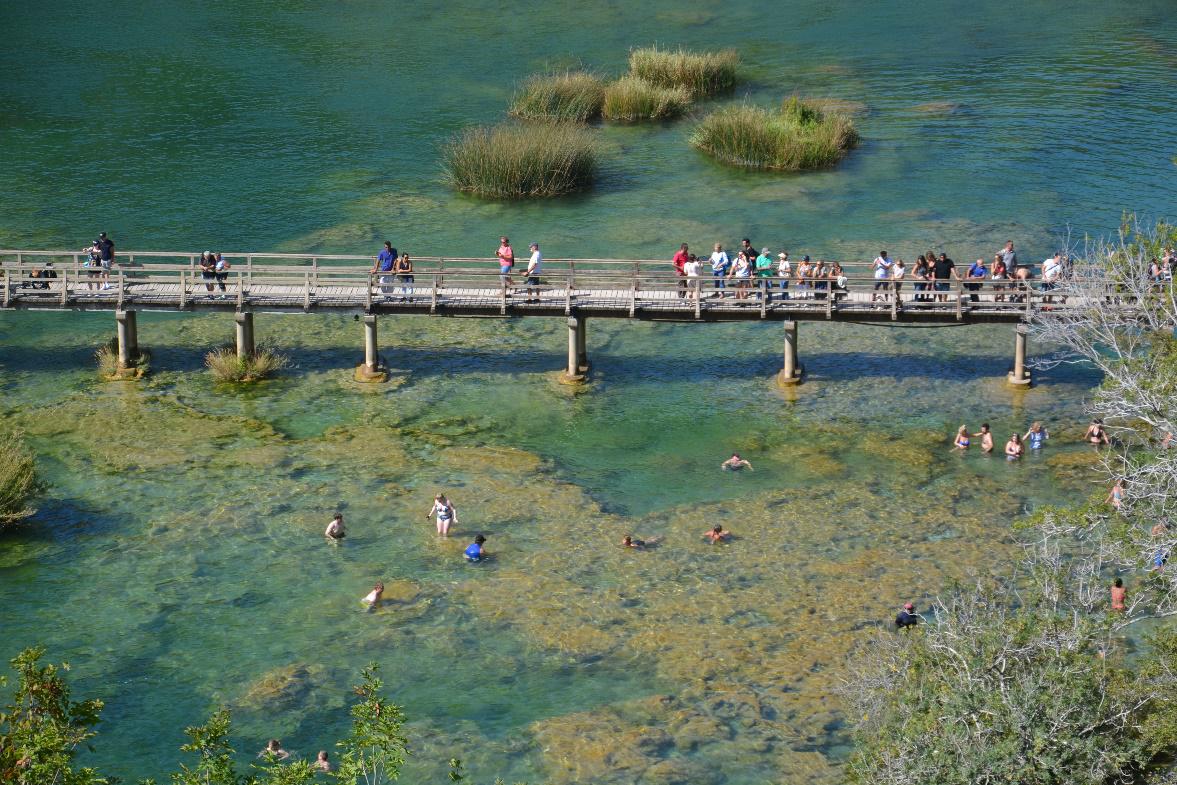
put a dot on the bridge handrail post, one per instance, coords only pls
(958, 292)
(568, 295)
(249, 270)
(122, 289)
(65, 286)
(698, 305)
(433, 294)
(831, 302)
(8, 285)
(633, 293)
(315, 271)
(183, 291)
(571, 276)
(240, 289)
(306, 291)
(368, 293)
(441, 269)
(764, 290)
(503, 294)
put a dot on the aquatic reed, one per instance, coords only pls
(572, 96)
(107, 357)
(798, 136)
(227, 366)
(18, 479)
(511, 161)
(631, 100)
(701, 73)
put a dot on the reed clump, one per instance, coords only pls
(631, 99)
(227, 366)
(572, 96)
(18, 479)
(511, 161)
(107, 357)
(700, 73)
(798, 136)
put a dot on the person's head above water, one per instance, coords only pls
(480, 539)
(1118, 582)
(338, 516)
(907, 606)
(379, 587)
(627, 540)
(984, 427)
(273, 745)
(718, 529)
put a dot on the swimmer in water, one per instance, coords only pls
(1014, 448)
(961, 442)
(1037, 435)
(986, 438)
(373, 598)
(1118, 595)
(907, 617)
(1116, 495)
(274, 750)
(321, 763)
(1096, 434)
(630, 541)
(335, 528)
(717, 534)
(474, 552)
(735, 463)
(446, 514)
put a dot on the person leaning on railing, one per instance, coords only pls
(977, 272)
(679, 261)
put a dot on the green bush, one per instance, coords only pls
(799, 136)
(631, 99)
(514, 161)
(699, 73)
(107, 357)
(573, 96)
(227, 366)
(18, 479)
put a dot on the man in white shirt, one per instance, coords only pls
(882, 267)
(719, 267)
(533, 267)
(1052, 268)
(785, 271)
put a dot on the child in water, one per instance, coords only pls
(474, 552)
(717, 534)
(372, 600)
(335, 528)
(961, 442)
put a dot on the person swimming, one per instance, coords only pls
(717, 534)
(630, 541)
(961, 442)
(373, 598)
(273, 749)
(474, 552)
(335, 528)
(735, 463)
(907, 617)
(321, 763)
(1037, 435)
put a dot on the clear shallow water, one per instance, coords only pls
(178, 561)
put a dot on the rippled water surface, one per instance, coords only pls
(178, 562)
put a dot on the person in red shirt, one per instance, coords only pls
(1118, 595)
(680, 261)
(506, 258)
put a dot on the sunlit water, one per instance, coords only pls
(178, 561)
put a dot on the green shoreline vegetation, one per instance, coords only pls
(511, 161)
(107, 357)
(18, 479)
(800, 136)
(572, 96)
(631, 99)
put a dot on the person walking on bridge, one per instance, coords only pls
(506, 258)
(533, 269)
(384, 264)
(105, 257)
(680, 261)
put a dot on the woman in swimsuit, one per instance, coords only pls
(1096, 434)
(1116, 495)
(961, 442)
(446, 514)
(1014, 448)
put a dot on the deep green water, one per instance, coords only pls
(177, 561)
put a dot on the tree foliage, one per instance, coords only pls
(375, 750)
(18, 479)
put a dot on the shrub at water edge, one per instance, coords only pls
(799, 136)
(702, 74)
(107, 357)
(227, 366)
(630, 100)
(572, 96)
(18, 479)
(513, 161)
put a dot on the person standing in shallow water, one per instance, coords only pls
(1119, 593)
(335, 528)
(474, 552)
(1014, 448)
(372, 599)
(446, 514)
(961, 442)
(986, 437)
(907, 617)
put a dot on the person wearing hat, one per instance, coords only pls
(907, 617)
(784, 271)
(764, 273)
(533, 266)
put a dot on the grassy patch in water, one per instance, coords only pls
(700, 73)
(572, 96)
(518, 161)
(18, 479)
(799, 136)
(107, 357)
(631, 100)
(228, 366)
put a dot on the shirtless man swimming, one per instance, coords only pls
(735, 463)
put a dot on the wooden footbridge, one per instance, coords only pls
(573, 289)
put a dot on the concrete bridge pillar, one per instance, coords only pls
(244, 333)
(1019, 376)
(577, 355)
(791, 373)
(128, 338)
(371, 345)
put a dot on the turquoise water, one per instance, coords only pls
(178, 561)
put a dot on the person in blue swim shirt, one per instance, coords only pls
(1036, 436)
(474, 551)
